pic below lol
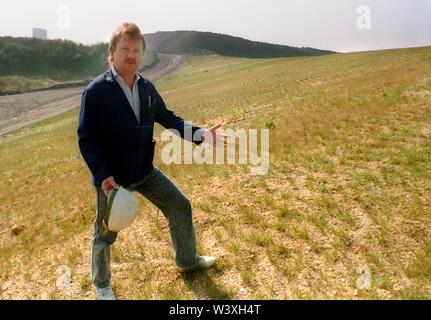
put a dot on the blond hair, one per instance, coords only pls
(125, 30)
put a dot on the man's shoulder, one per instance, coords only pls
(100, 82)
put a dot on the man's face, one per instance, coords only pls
(128, 56)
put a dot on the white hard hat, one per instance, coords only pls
(122, 209)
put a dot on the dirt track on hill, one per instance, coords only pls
(20, 110)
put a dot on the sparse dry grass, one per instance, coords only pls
(349, 185)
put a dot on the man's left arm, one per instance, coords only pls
(169, 120)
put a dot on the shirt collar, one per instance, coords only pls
(116, 75)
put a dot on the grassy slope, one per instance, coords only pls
(349, 185)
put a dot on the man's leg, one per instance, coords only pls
(102, 239)
(164, 194)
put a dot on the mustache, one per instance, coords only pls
(131, 61)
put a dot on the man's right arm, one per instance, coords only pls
(89, 144)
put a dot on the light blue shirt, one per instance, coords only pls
(132, 95)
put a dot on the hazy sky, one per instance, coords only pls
(325, 24)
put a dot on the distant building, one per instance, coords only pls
(40, 33)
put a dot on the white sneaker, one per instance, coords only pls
(204, 263)
(105, 293)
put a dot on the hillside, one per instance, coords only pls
(194, 42)
(28, 64)
(349, 188)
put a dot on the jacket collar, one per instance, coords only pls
(110, 76)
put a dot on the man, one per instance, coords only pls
(115, 135)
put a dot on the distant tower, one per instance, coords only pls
(40, 33)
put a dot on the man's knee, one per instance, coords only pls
(182, 204)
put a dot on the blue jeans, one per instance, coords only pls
(176, 208)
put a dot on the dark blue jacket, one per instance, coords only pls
(111, 140)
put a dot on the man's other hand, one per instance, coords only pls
(109, 184)
(211, 136)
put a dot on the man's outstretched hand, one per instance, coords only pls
(214, 138)
(109, 184)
